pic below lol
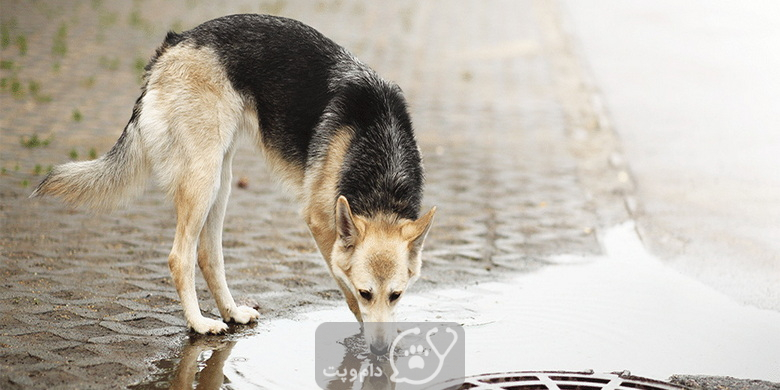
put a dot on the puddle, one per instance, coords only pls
(622, 311)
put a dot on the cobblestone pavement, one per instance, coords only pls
(519, 162)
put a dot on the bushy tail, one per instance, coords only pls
(105, 183)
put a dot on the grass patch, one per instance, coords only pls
(34, 86)
(89, 82)
(35, 142)
(92, 153)
(16, 88)
(74, 155)
(138, 66)
(21, 43)
(35, 91)
(60, 45)
(5, 35)
(77, 116)
(6, 64)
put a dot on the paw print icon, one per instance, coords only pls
(416, 361)
(423, 360)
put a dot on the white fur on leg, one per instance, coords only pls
(243, 315)
(205, 325)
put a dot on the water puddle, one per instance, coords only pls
(622, 311)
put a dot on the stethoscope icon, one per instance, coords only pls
(441, 356)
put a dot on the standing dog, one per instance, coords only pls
(334, 131)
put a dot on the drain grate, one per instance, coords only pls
(559, 380)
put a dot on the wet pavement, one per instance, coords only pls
(517, 159)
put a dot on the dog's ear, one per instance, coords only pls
(416, 231)
(348, 232)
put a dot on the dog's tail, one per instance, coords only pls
(105, 183)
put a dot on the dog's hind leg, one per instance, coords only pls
(210, 258)
(190, 117)
(193, 197)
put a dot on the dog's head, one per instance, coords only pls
(377, 259)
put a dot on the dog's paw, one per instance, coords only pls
(205, 325)
(243, 315)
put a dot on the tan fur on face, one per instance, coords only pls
(384, 258)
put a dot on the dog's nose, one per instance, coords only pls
(378, 349)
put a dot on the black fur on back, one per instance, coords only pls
(305, 88)
(382, 171)
(283, 65)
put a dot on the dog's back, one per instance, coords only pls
(305, 89)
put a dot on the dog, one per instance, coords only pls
(328, 126)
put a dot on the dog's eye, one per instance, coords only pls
(394, 295)
(366, 294)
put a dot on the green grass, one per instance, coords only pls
(138, 67)
(77, 116)
(35, 142)
(35, 87)
(60, 45)
(74, 155)
(38, 169)
(89, 82)
(16, 88)
(35, 91)
(5, 35)
(21, 43)
(6, 64)
(92, 153)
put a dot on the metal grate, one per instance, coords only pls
(558, 380)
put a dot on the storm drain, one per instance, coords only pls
(535, 380)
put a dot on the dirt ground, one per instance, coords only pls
(518, 161)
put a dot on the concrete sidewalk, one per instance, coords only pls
(693, 93)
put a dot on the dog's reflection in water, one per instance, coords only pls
(203, 360)
(202, 363)
(357, 359)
